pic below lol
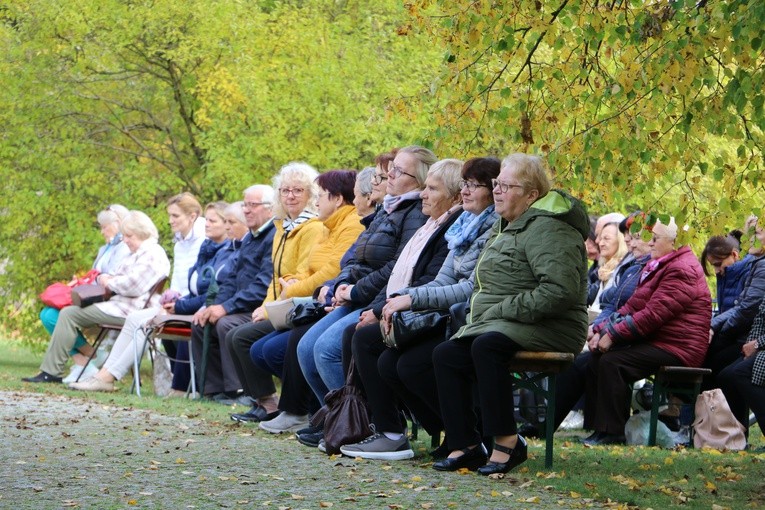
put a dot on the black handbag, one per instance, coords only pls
(88, 294)
(408, 328)
(305, 313)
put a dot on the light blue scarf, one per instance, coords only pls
(466, 229)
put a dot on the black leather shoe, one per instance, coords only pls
(603, 438)
(533, 431)
(310, 438)
(518, 456)
(256, 414)
(441, 452)
(471, 458)
(42, 377)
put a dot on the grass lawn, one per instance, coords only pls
(616, 477)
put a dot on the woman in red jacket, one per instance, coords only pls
(665, 322)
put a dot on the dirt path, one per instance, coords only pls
(60, 452)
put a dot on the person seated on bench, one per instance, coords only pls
(730, 328)
(743, 381)
(570, 383)
(132, 282)
(665, 322)
(530, 295)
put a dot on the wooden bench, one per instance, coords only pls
(676, 380)
(530, 371)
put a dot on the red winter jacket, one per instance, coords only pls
(671, 308)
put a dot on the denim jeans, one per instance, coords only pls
(320, 350)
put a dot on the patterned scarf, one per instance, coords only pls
(289, 224)
(465, 230)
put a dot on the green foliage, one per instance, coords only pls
(131, 102)
(658, 104)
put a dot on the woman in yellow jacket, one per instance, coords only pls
(319, 261)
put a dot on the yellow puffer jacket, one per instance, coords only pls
(343, 228)
(291, 252)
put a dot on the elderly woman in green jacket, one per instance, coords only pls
(530, 294)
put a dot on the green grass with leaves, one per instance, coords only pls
(613, 477)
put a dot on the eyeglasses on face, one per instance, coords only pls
(503, 187)
(397, 171)
(379, 178)
(470, 185)
(295, 192)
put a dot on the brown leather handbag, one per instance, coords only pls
(86, 295)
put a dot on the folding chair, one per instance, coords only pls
(167, 327)
(106, 328)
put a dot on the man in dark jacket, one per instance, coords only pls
(238, 295)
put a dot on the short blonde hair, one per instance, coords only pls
(219, 207)
(425, 158)
(530, 171)
(140, 225)
(303, 174)
(450, 173)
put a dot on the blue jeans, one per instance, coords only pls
(320, 350)
(268, 352)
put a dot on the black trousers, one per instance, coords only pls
(483, 359)
(256, 382)
(367, 346)
(718, 357)
(297, 396)
(410, 374)
(569, 388)
(221, 375)
(609, 379)
(736, 384)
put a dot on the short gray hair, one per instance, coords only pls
(140, 225)
(114, 213)
(364, 178)
(236, 210)
(266, 192)
(450, 173)
(305, 175)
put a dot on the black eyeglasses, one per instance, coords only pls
(397, 171)
(503, 188)
(379, 178)
(470, 185)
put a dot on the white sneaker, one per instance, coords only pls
(83, 372)
(285, 422)
(574, 420)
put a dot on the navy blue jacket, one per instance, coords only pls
(626, 280)
(211, 255)
(730, 285)
(245, 288)
(734, 324)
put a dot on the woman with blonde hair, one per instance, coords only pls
(613, 250)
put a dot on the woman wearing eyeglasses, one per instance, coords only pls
(389, 374)
(320, 348)
(530, 294)
(664, 322)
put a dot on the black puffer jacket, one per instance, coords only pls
(378, 248)
(429, 262)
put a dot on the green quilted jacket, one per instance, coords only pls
(531, 278)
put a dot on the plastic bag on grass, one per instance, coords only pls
(637, 427)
